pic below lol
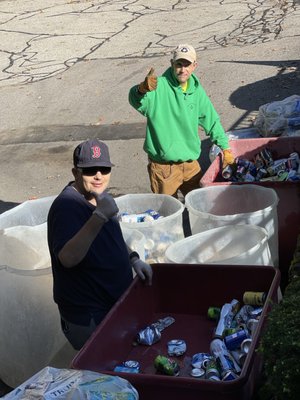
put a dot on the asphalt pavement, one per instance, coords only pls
(66, 68)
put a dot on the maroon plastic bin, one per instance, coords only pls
(184, 292)
(288, 208)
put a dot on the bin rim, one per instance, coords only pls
(230, 187)
(156, 222)
(194, 237)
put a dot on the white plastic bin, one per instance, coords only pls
(160, 233)
(31, 212)
(135, 240)
(216, 206)
(30, 332)
(231, 244)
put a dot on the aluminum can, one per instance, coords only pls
(223, 358)
(261, 173)
(275, 169)
(258, 161)
(227, 172)
(163, 323)
(266, 155)
(176, 347)
(245, 345)
(154, 214)
(242, 162)
(213, 313)
(254, 298)
(239, 356)
(131, 364)
(240, 172)
(132, 218)
(212, 371)
(148, 336)
(130, 370)
(197, 372)
(200, 360)
(256, 312)
(252, 324)
(234, 340)
(166, 366)
(249, 177)
(230, 331)
(229, 376)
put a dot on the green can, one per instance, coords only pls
(214, 313)
(166, 366)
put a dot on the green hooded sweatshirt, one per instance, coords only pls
(173, 117)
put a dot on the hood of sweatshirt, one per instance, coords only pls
(193, 81)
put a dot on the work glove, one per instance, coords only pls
(228, 158)
(143, 270)
(149, 84)
(106, 206)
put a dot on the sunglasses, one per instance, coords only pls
(91, 171)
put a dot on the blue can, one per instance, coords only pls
(200, 360)
(154, 214)
(129, 370)
(234, 340)
(176, 347)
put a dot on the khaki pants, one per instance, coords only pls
(169, 178)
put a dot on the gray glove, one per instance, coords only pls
(143, 270)
(106, 206)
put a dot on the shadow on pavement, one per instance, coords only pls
(6, 205)
(284, 84)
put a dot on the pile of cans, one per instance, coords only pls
(236, 325)
(232, 339)
(264, 167)
(146, 216)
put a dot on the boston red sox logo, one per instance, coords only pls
(96, 151)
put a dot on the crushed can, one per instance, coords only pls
(148, 336)
(176, 347)
(200, 360)
(212, 372)
(166, 366)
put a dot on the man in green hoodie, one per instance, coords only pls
(175, 105)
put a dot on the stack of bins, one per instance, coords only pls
(30, 332)
(288, 208)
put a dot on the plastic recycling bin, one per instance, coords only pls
(231, 244)
(184, 292)
(160, 233)
(216, 206)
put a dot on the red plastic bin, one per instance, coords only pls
(185, 292)
(288, 208)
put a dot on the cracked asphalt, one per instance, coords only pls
(66, 68)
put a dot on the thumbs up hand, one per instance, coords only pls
(149, 84)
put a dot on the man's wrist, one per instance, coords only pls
(134, 256)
